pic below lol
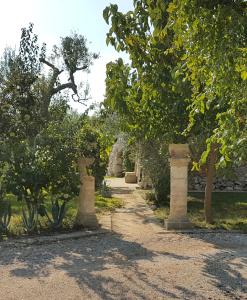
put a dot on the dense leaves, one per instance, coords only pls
(146, 93)
(41, 138)
(213, 37)
(188, 75)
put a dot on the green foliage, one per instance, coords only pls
(128, 162)
(30, 216)
(5, 215)
(91, 144)
(149, 95)
(16, 226)
(148, 89)
(87, 141)
(26, 90)
(42, 138)
(129, 153)
(154, 158)
(57, 214)
(19, 105)
(187, 74)
(58, 151)
(229, 211)
(75, 52)
(104, 204)
(38, 146)
(150, 197)
(212, 36)
(105, 190)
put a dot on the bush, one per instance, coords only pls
(5, 216)
(128, 161)
(154, 159)
(105, 190)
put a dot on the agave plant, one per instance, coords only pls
(57, 213)
(30, 216)
(105, 190)
(5, 216)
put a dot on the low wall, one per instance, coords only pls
(237, 182)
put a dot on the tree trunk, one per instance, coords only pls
(209, 184)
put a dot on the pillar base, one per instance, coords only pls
(87, 221)
(178, 224)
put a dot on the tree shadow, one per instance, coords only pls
(110, 267)
(188, 294)
(121, 190)
(225, 267)
(106, 266)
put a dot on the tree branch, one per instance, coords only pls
(68, 85)
(81, 68)
(80, 100)
(55, 69)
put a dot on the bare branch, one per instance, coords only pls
(55, 69)
(80, 100)
(68, 85)
(81, 68)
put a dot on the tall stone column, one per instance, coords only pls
(86, 215)
(179, 161)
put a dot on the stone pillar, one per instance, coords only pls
(179, 161)
(138, 170)
(86, 215)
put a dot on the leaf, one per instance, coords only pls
(171, 8)
(129, 41)
(106, 14)
(244, 75)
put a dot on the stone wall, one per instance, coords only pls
(236, 182)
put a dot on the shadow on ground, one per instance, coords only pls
(121, 191)
(225, 268)
(111, 267)
(107, 266)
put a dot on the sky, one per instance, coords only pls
(56, 18)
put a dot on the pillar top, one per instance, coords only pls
(179, 162)
(179, 151)
(87, 161)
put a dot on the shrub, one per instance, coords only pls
(154, 159)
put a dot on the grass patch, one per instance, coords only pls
(102, 204)
(229, 211)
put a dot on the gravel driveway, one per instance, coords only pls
(138, 260)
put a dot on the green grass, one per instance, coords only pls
(16, 228)
(229, 211)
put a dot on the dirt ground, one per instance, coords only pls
(135, 259)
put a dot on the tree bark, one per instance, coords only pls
(209, 184)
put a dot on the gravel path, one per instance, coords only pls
(138, 260)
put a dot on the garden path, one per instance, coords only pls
(137, 260)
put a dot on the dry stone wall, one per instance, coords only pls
(237, 182)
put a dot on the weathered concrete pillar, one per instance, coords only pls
(86, 215)
(179, 187)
